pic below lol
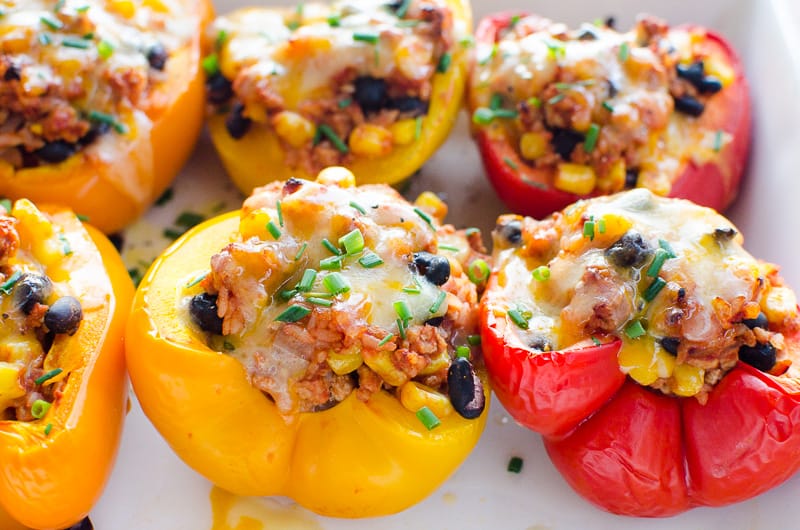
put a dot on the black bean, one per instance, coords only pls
(409, 105)
(157, 57)
(631, 177)
(689, 105)
(670, 344)
(709, 85)
(613, 89)
(435, 321)
(759, 322)
(98, 129)
(631, 250)
(611, 22)
(85, 524)
(587, 32)
(219, 89)
(511, 231)
(564, 142)
(32, 289)
(723, 235)
(203, 310)
(435, 268)
(370, 93)
(236, 123)
(64, 315)
(12, 73)
(465, 389)
(56, 151)
(539, 343)
(694, 73)
(761, 356)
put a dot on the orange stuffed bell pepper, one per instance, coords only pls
(64, 294)
(102, 102)
(329, 354)
(375, 88)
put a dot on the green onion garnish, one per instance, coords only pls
(189, 219)
(307, 281)
(588, 230)
(165, 197)
(718, 140)
(660, 257)
(6, 286)
(337, 142)
(428, 418)
(403, 9)
(482, 116)
(343, 104)
(510, 163)
(353, 242)
(440, 298)
(591, 138)
(319, 301)
(210, 64)
(82, 9)
(601, 226)
(518, 318)
(556, 49)
(273, 230)
(79, 44)
(515, 464)
(370, 38)
(48, 429)
(411, 289)
(451, 248)
(358, 207)
(108, 119)
(222, 36)
(293, 313)
(6, 204)
(425, 217)
(624, 52)
(555, 99)
(331, 264)
(170, 233)
(444, 63)
(654, 288)
(40, 408)
(66, 248)
(47, 376)
(300, 252)
(496, 101)
(335, 283)
(331, 247)
(288, 294)
(105, 49)
(663, 243)
(59, 5)
(279, 210)
(370, 260)
(386, 339)
(534, 102)
(474, 340)
(402, 310)
(197, 279)
(53, 24)
(478, 271)
(401, 328)
(541, 273)
(82, 218)
(44, 39)
(606, 105)
(596, 341)
(335, 20)
(634, 330)
(463, 352)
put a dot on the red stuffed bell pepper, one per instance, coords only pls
(656, 356)
(562, 114)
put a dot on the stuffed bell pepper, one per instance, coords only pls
(64, 297)
(562, 114)
(371, 85)
(656, 356)
(321, 343)
(100, 101)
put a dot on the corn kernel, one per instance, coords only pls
(10, 387)
(404, 132)
(254, 224)
(431, 203)
(533, 145)
(575, 178)
(126, 8)
(370, 141)
(156, 5)
(293, 128)
(36, 128)
(37, 231)
(337, 176)
(614, 180)
(778, 304)
(22, 348)
(346, 361)
(644, 362)
(414, 396)
(381, 364)
(717, 68)
(614, 225)
(439, 362)
(687, 380)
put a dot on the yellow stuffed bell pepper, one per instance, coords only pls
(105, 103)
(375, 88)
(65, 295)
(316, 345)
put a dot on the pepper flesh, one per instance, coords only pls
(356, 459)
(258, 157)
(89, 183)
(51, 480)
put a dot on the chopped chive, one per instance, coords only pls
(437, 304)
(506, 113)
(82, 218)
(330, 264)
(541, 273)
(47, 376)
(466, 42)
(482, 116)
(663, 243)
(555, 99)
(606, 105)
(370, 38)
(108, 119)
(474, 340)
(273, 230)
(40, 408)
(591, 138)
(105, 49)
(402, 310)
(6, 204)
(451, 248)
(335, 283)
(331, 247)
(222, 36)
(228, 346)
(279, 209)
(370, 260)
(601, 226)
(210, 64)
(165, 197)
(425, 217)
(59, 5)
(319, 301)
(510, 163)
(463, 352)
(353, 242)
(444, 63)
(288, 294)
(355, 205)
(73, 43)
(44, 39)
(418, 128)
(654, 288)
(624, 52)
(428, 418)
(337, 142)
(197, 279)
(518, 318)
(403, 9)
(408, 23)
(660, 257)
(335, 20)
(555, 49)
(471, 231)
(6, 286)
(48, 429)
(189, 219)
(596, 341)
(343, 104)
(307, 281)
(66, 248)
(514, 21)
(51, 23)
(634, 330)
(478, 271)
(386, 339)
(534, 102)
(514, 464)
(300, 252)
(588, 230)
(412, 289)
(718, 140)
(401, 328)
(293, 313)
(496, 101)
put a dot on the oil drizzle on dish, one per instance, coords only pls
(231, 512)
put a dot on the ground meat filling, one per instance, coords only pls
(73, 71)
(347, 290)
(33, 315)
(593, 105)
(367, 66)
(667, 277)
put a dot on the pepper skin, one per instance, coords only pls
(529, 191)
(258, 157)
(355, 459)
(52, 480)
(113, 193)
